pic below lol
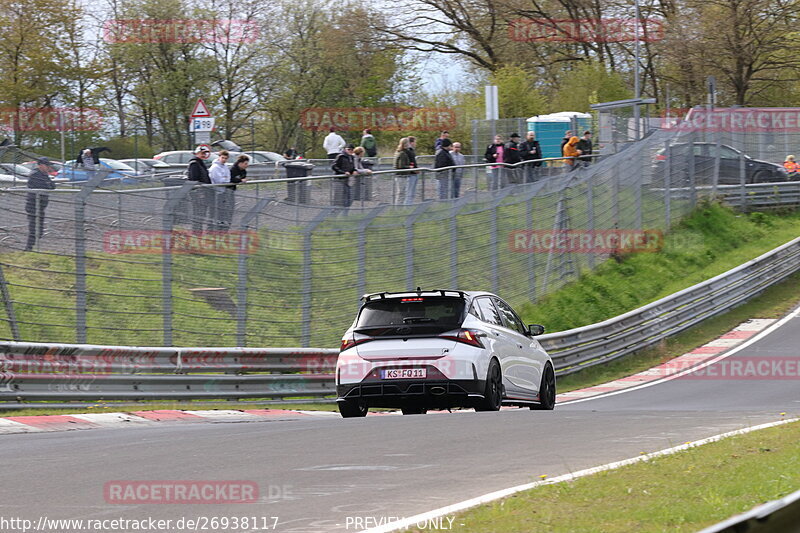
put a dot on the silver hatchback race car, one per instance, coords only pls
(441, 349)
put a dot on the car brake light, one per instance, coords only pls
(661, 157)
(157, 156)
(349, 343)
(467, 336)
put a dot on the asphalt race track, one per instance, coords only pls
(324, 474)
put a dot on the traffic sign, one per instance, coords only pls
(200, 110)
(202, 124)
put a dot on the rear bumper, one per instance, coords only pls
(412, 392)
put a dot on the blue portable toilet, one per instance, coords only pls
(549, 129)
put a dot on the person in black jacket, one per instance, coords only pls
(585, 146)
(531, 150)
(344, 165)
(203, 205)
(239, 170)
(443, 160)
(512, 156)
(35, 203)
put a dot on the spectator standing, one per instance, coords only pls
(333, 144)
(585, 146)
(458, 173)
(495, 153)
(791, 166)
(438, 144)
(223, 196)
(401, 162)
(512, 156)
(35, 202)
(567, 136)
(443, 160)
(531, 150)
(290, 153)
(344, 165)
(413, 178)
(239, 171)
(571, 153)
(368, 143)
(202, 197)
(361, 190)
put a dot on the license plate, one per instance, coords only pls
(404, 373)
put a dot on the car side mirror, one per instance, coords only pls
(535, 329)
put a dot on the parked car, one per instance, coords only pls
(151, 167)
(13, 174)
(55, 165)
(179, 159)
(441, 349)
(114, 169)
(756, 171)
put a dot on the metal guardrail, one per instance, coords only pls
(777, 516)
(38, 371)
(599, 343)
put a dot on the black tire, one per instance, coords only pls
(762, 176)
(493, 393)
(414, 410)
(547, 391)
(353, 409)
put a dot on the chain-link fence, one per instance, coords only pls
(283, 262)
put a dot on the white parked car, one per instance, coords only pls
(439, 349)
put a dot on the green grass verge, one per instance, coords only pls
(774, 302)
(710, 241)
(683, 492)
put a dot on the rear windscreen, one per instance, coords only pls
(413, 315)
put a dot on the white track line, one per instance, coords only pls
(745, 344)
(493, 496)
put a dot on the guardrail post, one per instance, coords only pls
(308, 297)
(80, 254)
(174, 197)
(9, 305)
(250, 219)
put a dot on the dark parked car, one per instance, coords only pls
(756, 171)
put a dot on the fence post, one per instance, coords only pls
(9, 305)
(717, 155)
(174, 197)
(667, 186)
(691, 170)
(615, 196)
(250, 218)
(742, 182)
(409, 224)
(590, 213)
(80, 254)
(308, 298)
(531, 262)
(362, 248)
(638, 184)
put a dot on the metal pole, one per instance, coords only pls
(637, 90)
(667, 187)
(80, 255)
(9, 305)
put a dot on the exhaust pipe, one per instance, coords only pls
(438, 391)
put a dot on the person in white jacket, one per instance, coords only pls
(220, 173)
(333, 144)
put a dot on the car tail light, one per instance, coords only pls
(467, 336)
(661, 157)
(157, 156)
(353, 341)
